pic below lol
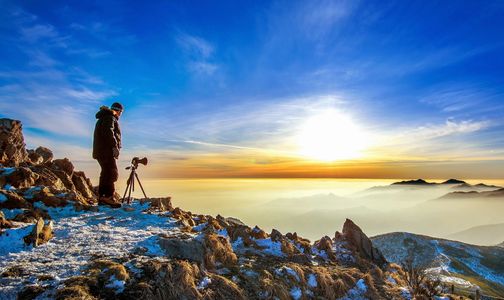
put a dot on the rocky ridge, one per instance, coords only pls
(57, 244)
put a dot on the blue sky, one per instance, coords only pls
(214, 84)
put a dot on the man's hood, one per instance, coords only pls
(104, 111)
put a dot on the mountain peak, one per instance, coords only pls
(454, 181)
(413, 182)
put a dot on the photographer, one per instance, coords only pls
(106, 146)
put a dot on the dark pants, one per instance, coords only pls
(108, 177)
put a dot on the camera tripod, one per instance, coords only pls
(130, 186)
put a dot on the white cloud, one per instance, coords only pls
(195, 46)
(199, 53)
(449, 128)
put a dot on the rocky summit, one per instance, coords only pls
(56, 243)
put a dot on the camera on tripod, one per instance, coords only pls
(130, 186)
(135, 161)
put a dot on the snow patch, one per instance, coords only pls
(2, 198)
(115, 284)
(312, 281)
(204, 283)
(270, 247)
(296, 293)
(357, 292)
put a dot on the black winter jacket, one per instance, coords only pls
(107, 134)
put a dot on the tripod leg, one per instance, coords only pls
(127, 187)
(132, 185)
(138, 179)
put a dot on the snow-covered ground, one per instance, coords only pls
(78, 238)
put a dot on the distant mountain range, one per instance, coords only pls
(474, 194)
(454, 262)
(481, 235)
(454, 184)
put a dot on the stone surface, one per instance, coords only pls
(82, 184)
(12, 146)
(48, 178)
(185, 248)
(14, 201)
(64, 165)
(160, 204)
(4, 223)
(40, 234)
(35, 158)
(359, 241)
(21, 178)
(47, 155)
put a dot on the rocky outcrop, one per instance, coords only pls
(12, 146)
(40, 234)
(359, 241)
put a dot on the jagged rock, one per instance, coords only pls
(12, 146)
(160, 204)
(35, 158)
(21, 177)
(30, 292)
(65, 179)
(32, 216)
(258, 233)
(325, 244)
(41, 233)
(14, 271)
(47, 155)
(275, 235)
(358, 240)
(218, 252)
(63, 164)
(12, 200)
(4, 223)
(48, 178)
(183, 247)
(83, 184)
(49, 199)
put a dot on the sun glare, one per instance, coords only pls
(332, 136)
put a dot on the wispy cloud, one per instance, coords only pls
(199, 53)
(44, 93)
(466, 98)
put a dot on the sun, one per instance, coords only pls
(331, 136)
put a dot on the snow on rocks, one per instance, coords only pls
(357, 292)
(78, 237)
(312, 281)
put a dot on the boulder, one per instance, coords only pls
(21, 177)
(218, 252)
(325, 244)
(12, 200)
(65, 179)
(160, 204)
(48, 178)
(4, 223)
(35, 158)
(359, 241)
(64, 165)
(40, 234)
(183, 247)
(46, 154)
(83, 184)
(49, 199)
(32, 216)
(258, 233)
(12, 146)
(276, 236)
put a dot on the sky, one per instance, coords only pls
(353, 89)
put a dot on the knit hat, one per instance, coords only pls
(117, 106)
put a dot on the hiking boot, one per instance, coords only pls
(109, 201)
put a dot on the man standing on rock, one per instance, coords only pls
(106, 146)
